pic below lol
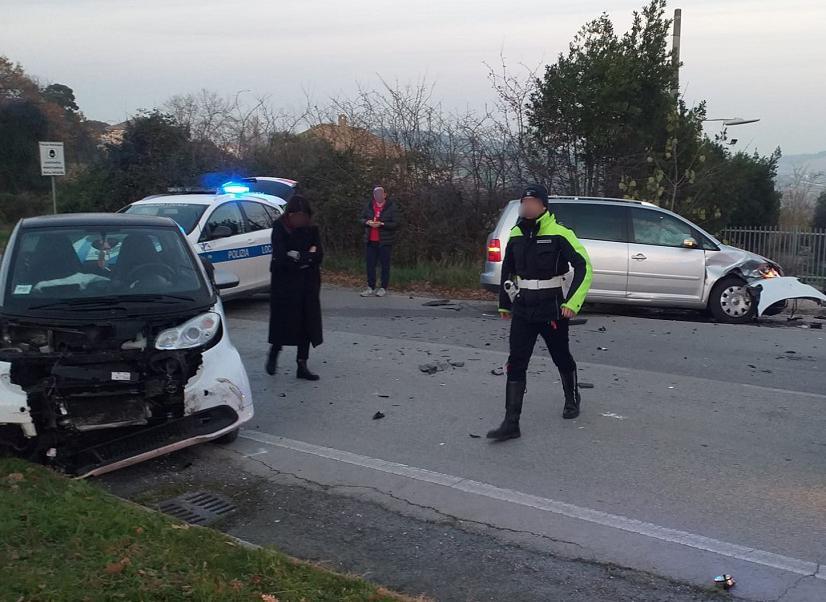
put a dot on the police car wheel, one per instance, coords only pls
(731, 301)
(228, 438)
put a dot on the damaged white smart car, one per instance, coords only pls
(113, 344)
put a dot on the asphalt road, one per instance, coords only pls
(701, 450)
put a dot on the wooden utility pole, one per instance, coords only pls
(675, 52)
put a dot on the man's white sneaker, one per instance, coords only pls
(368, 292)
(381, 292)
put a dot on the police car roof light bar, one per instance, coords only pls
(234, 188)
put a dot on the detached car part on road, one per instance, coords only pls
(770, 292)
(645, 255)
(113, 344)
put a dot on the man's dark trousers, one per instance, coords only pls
(523, 339)
(378, 253)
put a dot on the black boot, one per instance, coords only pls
(572, 397)
(509, 429)
(272, 361)
(304, 373)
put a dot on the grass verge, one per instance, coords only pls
(64, 540)
(457, 279)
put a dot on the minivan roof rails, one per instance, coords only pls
(594, 198)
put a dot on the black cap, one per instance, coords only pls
(536, 191)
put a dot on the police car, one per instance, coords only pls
(231, 227)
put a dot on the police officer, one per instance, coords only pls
(538, 254)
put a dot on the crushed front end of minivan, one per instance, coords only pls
(113, 345)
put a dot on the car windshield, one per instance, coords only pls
(185, 214)
(78, 268)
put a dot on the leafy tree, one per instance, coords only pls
(22, 124)
(14, 83)
(733, 190)
(61, 95)
(820, 211)
(156, 153)
(607, 102)
(674, 167)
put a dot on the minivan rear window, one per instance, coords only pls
(593, 221)
(185, 214)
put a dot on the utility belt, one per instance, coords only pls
(538, 285)
(512, 288)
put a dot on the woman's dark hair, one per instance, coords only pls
(298, 204)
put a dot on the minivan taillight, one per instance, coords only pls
(494, 251)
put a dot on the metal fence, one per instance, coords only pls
(801, 253)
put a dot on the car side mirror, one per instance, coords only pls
(220, 232)
(690, 243)
(225, 280)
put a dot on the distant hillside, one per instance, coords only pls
(813, 163)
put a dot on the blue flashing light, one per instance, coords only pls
(234, 188)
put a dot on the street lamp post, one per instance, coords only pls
(730, 122)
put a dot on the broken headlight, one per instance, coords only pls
(770, 271)
(197, 332)
(765, 270)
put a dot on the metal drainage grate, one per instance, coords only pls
(199, 508)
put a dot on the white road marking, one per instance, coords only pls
(260, 452)
(615, 521)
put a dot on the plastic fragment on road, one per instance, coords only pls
(378, 415)
(725, 581)
(437, 303)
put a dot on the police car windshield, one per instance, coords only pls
(70, 268)
(186, 215)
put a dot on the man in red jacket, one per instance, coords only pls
(380, 222)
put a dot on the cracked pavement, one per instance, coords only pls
(722, 436)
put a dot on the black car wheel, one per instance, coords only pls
(731, 301)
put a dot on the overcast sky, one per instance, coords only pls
(748, 58)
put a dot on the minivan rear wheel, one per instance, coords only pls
(731, 302)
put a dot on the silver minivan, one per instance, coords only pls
(645, 255)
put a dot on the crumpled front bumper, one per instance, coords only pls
(770, 291)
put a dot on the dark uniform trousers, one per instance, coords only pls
(523, 339)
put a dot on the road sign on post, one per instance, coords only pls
(52, 163)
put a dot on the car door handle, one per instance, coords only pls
(639, 257)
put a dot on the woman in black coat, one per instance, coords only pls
(295, 286)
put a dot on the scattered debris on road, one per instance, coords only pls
(432, 368)
(437, 303)
(378, 415)
(383, 395)
(602, 329)
(612, 415)
(586, 385)
(498, 371)
(725, 581)
(472, 436)
(457, 364)
(602, 348)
